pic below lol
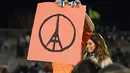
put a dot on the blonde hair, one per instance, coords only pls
(106, 48)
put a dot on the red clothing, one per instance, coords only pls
(85, 38)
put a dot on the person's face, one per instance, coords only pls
(90, 46)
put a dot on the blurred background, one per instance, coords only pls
(111, 19)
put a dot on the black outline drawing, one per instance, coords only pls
(56, 35)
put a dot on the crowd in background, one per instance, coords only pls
(109, 33)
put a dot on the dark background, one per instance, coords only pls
(17, 19)
(113, 12)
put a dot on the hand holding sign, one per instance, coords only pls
(72, 3)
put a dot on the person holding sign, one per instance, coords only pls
(87, 32)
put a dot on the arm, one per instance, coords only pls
(89, 25)
(88, 30)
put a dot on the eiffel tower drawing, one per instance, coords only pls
(55, 37)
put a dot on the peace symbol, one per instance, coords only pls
(56, 34)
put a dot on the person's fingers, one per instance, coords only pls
(65, 1)
(62, 3)
(77, 2)
(74, 3)
(71, 3)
